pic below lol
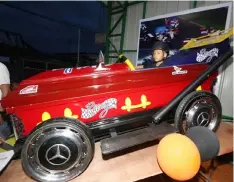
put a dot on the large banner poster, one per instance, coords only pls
(178, 28)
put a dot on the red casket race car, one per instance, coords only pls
(63, 112)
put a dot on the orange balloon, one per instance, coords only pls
(178, 157)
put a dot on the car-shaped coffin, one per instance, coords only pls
(90, 95)
(63, 112)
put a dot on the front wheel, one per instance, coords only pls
(57, 150)
(199, 108)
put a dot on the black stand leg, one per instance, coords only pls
(205, 174)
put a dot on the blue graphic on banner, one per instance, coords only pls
(160, 29)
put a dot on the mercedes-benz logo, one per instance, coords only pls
(203, 119)
(58, 154)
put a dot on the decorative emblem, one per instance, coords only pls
(67, 113)
(67, 70)
(29, 89)
(128, 104)
(207, 55)
(58, 154)
(203, 119)
(92, 108)
(179, 71)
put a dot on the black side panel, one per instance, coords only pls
(134, 138)
(123, 124)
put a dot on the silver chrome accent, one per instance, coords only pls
(203, 112)
(58, 154)
(203, 119)
(75, 145)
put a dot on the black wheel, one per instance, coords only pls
(57, 150)
(199, 108)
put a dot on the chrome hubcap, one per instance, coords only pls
(57, 153)
(203, 112)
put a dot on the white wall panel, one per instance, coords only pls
(184, 5)
(155, 8)
(225, 92)
(172, 6)
(115, 40)
(226, 88)
(206, 3)
(134, 14)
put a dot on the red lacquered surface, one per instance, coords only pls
(90, 95)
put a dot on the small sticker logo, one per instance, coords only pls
(67, 71)
(207, 56)
(92, 108)
(179, 71)
(29, 89)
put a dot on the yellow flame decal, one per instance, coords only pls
(67, 113)
(128, 104)
(45, 116)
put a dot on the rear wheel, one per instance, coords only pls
(199, 108)
(58, 150)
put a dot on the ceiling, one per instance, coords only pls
(52, 26)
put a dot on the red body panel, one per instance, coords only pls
(91, 95)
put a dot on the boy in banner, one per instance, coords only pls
(160, 53)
